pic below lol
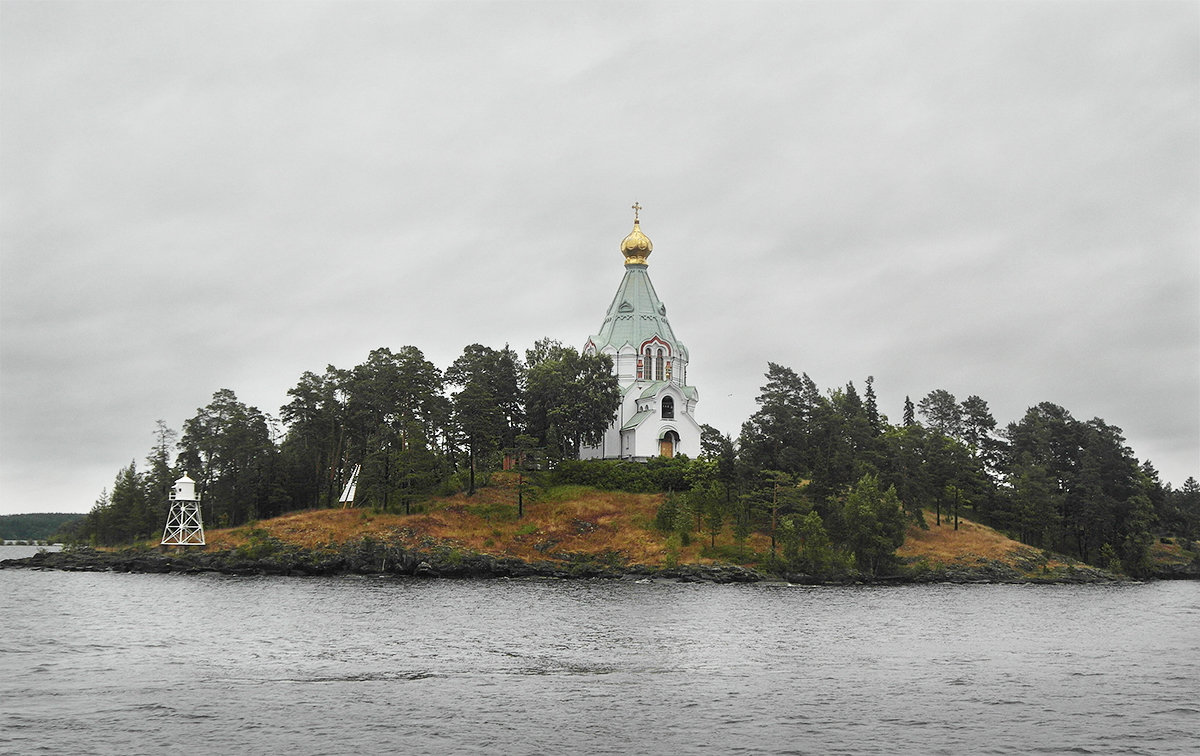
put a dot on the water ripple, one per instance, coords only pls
(101, 661)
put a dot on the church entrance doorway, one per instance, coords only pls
(666, 444)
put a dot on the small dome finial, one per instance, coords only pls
(637, 246)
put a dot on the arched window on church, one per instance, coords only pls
(659, 364)
(649, 368)
(668, 408)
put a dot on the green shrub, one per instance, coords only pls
(1109, 559)
(672, 556)
(919, 568)
(654, 475)
(259, 545)
(665, 517)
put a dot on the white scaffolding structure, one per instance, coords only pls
(184, 526)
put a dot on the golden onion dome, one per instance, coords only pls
(637, 246)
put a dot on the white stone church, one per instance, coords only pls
(656, 416)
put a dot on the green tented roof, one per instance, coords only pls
(636, 315)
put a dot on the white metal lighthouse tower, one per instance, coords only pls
(184, 527)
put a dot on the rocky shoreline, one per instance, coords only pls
(372, 557)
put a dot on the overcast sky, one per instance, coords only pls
(992, 198)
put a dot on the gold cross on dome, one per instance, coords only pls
(637, 208)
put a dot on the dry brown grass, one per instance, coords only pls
(311, 528)
(582, 521)
(972, 542)
(943, 544)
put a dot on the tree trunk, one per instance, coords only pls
(471, 465)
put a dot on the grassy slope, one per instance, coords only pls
(569, 520)
(583, 520)
(1170, 553)
(972, 545)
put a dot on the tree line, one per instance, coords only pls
(1047, 479)
(36, 526)
(824, 474)
(413, 429)
(835, 484)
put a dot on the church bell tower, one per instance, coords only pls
(657, 403)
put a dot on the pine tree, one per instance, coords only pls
(942, 412)
(816, 550)
(874, 524)
(872, 407)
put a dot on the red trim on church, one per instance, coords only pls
(655, 341)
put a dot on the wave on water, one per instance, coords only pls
(106, 663)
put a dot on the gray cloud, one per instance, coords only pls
(992, 198)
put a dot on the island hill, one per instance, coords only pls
(573, 531)
(841, 490)
(577, 531)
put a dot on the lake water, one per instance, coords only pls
(103, 663)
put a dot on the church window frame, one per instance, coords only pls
(668, 408)
(658, 354)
